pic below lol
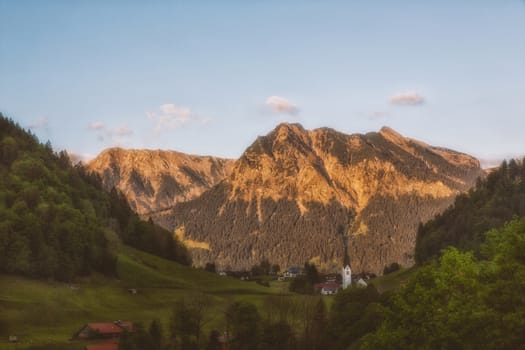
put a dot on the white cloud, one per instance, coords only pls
(116, 135)
(281, 105)
(407, 99)
(172, 116)
(40, 123)
(97, 125)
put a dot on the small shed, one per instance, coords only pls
(13, 339)
(361, 283)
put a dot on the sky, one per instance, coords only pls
(208, 77)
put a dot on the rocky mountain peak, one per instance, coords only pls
(293, 189)
(153, 180)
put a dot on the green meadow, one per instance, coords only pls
(44, 315)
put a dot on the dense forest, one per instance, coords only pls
(56, 222)
(494, 200)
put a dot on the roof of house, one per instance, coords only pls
(106, 327)
(102, 346)
(326, 285)
(128, 326)
(294, 270)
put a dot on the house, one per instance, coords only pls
(13, 339)
(293, 272)
(331, 277)
(107, 330)
(102, 346)
(361, 283)
(327, 288)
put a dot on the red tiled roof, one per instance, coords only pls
(102, 346)
(128, 326)
(334, 285)
(106, 328)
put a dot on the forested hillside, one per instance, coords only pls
(495, 200)
(56, 221)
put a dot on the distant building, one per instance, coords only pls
(346, 272)
(106, 330)
(361, 283)
(13, 339)
(347, 276)
(133, 291)
(293, 272)
(327, 288)
(331, 277)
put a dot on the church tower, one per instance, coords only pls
(346, 271)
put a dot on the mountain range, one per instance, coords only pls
(296, 195)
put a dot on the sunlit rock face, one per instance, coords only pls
(295, 195)
(154, 180)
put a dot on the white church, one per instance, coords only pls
(347, 270)
(346, 274)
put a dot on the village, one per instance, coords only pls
(108, 335)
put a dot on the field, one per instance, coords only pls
(392, 280)
(44, 315)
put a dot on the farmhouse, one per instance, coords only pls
(293, 272)
(327, 288)
(361, 283)
(107, 330)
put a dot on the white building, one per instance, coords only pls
(347, 276)
(361, 283)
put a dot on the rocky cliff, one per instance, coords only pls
(153, 180)
(295, 195)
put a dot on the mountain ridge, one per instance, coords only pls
(307, 184)
(155, 179)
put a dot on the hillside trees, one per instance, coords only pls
(187, 321)
(494, 200)
(242, 324)
(55, 219)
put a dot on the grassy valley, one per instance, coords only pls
(44, 313)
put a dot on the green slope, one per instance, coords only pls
(45, 314)
(393, 280)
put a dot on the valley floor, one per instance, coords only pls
(44, 315)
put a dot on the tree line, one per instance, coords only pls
(56, 222)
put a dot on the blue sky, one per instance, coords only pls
(207, 77)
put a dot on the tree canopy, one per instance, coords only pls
(56, 222)
(492, 202)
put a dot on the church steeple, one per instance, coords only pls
(346, 272)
